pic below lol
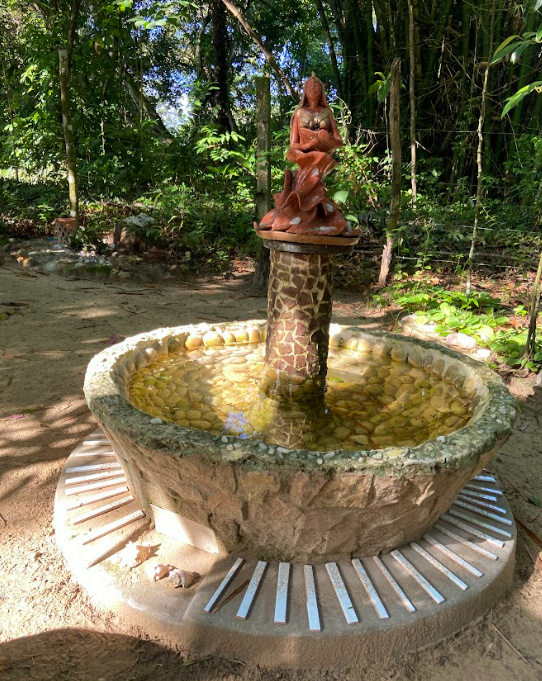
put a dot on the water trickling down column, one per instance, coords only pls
(298, 315)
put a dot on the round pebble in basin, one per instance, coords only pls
(301, 504)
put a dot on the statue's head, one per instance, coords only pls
(313, 86)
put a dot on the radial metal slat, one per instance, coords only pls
(86, 501)
(485, 478)
(405, 600)
(281, 599)
(472, 530)
(483, 504)
(103, 475)
(480, 511)
(224, 584)
(485, 489)
(90, 487)
(108, 454)
(312, 601)
(370, 589)
(422, 581)
(252, 590)
(478, 495)
(96, 442)
(101, 510)
(452, 556)
(480, 523)
(439, 566)
(111, 527)
(342, 594)
(465, 542)
(93, 467)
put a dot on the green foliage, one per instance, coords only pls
(476, 314)
(517, 97)
(450, 318)
(509, 347)
(514, 46)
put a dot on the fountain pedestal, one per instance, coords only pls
(298, 318)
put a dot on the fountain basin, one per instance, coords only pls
(242, 495)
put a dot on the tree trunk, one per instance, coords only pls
(220, 42)
(198, 54)
(67, 126)
(479, 152)
(395, 144)
(263, 146)
(257, 39)
(141, 103)
(370, 56)
(263, 173)
(74, 15)
(327, 33)
(358, 42)
(430, 78)
(412, 99)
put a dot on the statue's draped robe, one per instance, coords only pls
(303, 206)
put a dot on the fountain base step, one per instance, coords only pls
(279, 614)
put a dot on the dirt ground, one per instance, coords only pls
(49, 630)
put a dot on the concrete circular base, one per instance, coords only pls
(276, 614)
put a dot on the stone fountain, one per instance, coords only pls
(313, 450)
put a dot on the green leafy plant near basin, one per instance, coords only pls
(476, 314)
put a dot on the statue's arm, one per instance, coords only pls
(294, 130)
(295, 138)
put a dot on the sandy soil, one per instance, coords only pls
(48, 627)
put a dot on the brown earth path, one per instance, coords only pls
(49, 630)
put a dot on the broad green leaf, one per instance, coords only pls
(486, 333)
(498, 55)
(512, 101)
(340, 196)
(501, 47)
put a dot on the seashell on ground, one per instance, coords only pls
(182, 578)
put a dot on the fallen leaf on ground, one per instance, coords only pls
(157, 572)
(134, 554)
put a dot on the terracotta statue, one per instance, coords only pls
(303, 207)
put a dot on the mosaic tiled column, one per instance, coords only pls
(298, 317)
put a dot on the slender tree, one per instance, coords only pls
(259, 42)
(412, 98)
(69, 139)
(220, 49)
(479, 151)
(263, 173)
(395, 145)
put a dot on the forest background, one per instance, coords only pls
(157, 114)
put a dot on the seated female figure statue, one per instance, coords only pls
(303, 207)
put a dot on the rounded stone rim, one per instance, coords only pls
(106, 379)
